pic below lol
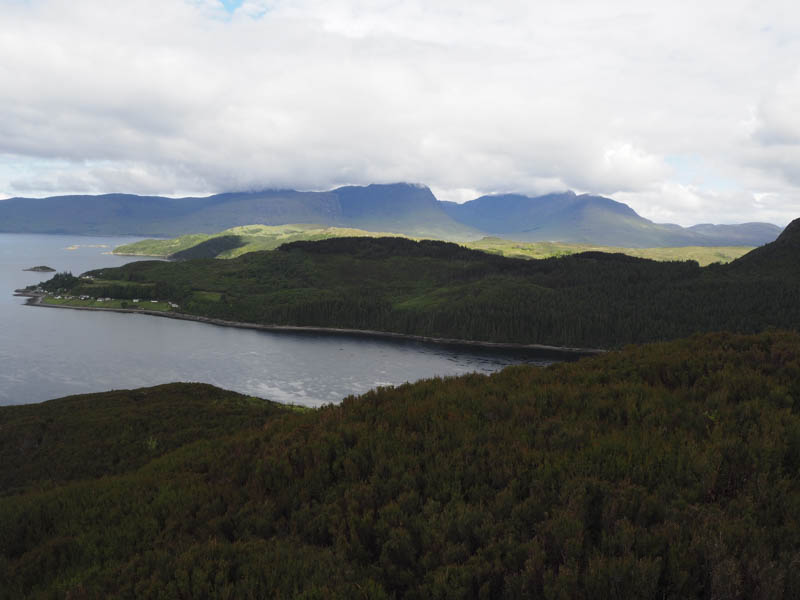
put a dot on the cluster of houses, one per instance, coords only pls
(39, 290)
(82, 298)
(107, 299)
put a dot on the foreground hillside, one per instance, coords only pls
(93, 435)
(663, 471)
(252, 238)
(443, 290)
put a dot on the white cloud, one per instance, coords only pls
(686, 205)
(778, 116)
(174, 96)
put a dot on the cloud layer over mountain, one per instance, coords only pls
(687, 111)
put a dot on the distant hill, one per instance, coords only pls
(252, 238)
(236, 241)
(587, 219)
(753, 234)
(395, 208)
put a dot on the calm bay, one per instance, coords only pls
(47, 353)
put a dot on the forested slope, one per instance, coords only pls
(438, 289)
(667, 471)
(93, 435)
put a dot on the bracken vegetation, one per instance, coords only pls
(662, 471)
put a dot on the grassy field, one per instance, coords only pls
(252, 237)
(112, 303)
(704, 255)
(162, 248)
(262, 237)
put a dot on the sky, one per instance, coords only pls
(688, 111)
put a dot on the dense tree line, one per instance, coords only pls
(60, 282)
(662, 471)
(440, 289)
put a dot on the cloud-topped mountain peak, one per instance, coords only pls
(406, 208)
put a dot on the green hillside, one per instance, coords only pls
(667, 472)
(703, 255)
(253, 238)
(444, 290)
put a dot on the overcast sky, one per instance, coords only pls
(687, 111)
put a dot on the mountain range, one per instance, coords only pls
(588, 219)
(400, 208)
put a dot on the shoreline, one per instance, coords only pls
(36, 300)
(161, 256)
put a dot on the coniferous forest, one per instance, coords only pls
(439, 289)
(661, 471)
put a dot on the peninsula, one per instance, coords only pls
(442, 290)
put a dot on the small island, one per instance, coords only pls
(41, 269)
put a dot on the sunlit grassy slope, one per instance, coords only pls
(251, 239)
(704, 255)
(240, 240)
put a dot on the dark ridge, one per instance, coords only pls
(210, 248)
(379, 248)
(611, 257)
(781, 257)
(790, 235)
